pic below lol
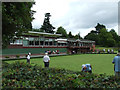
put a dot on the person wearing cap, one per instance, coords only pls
(83, 68)
(87, 68)
(46, 60)
(116, 62)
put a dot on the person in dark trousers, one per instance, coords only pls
(46, 60)
(116, 62)
(28, 57)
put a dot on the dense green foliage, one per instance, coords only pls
(22, 75)
(77, 36)
(99, 27)
(62, 31)
(47, 27)
(16, 19)
(103, 37)
(70, 35)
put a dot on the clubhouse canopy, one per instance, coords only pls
(39, 42)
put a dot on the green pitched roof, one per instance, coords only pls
(41, 33)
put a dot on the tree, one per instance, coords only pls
(36, 30)
(118, 44)
(70, 35)
(47, 27)
(62, 31)
(77, 36)
(110, 42)
(115, 36)
(93, 36)
(99, 27)
(16, 19)
(105, 38)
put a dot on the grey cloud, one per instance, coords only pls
(87, 15)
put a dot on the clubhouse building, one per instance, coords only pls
(39, 42)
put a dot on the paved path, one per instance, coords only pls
(32, 56)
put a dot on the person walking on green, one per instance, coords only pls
(46, 60)
(116, 62)
(28, 57)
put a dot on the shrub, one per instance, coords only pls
(23, 75)
(7, 57)
(17, 56)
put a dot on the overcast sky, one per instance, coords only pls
(77, 15)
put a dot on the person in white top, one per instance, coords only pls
(28, 58)
(46, 60)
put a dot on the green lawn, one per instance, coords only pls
(101, 63)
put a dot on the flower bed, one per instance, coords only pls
(22, 75)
